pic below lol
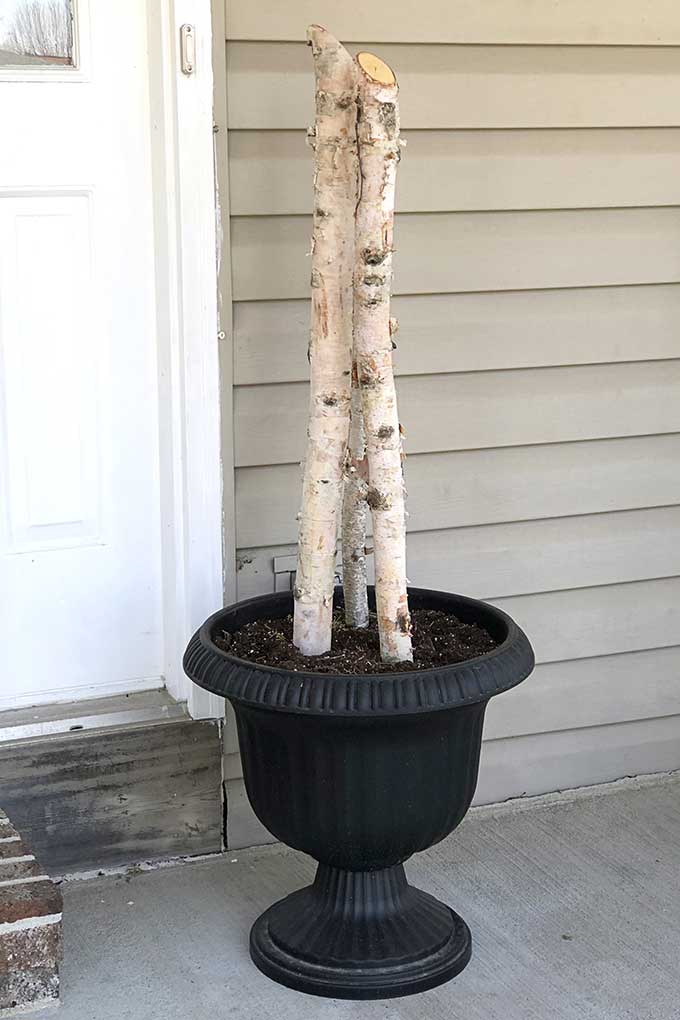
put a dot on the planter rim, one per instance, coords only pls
(307, 693)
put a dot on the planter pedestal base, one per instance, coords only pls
(360, 935)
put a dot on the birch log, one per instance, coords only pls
(379, 151)
(330, 350)
(354, 514)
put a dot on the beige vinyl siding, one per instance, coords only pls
(473, 487)
(469, 410)
(471, 332)
(472, 86)
(588, 549)
(591, 682)
(605, 23)
(538, 293)
(463, 171)
(483, 251)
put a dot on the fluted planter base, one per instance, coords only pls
(360, 935)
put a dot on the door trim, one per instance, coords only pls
(188, 327)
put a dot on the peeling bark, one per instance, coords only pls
(379, 152)
(333, 139)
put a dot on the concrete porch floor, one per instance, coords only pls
(573, 901)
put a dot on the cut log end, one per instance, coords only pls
(316, 35)
(376, 69)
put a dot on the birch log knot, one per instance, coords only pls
(373, 257)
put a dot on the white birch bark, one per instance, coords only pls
(379, 152)
(354, 514)
(330, 348)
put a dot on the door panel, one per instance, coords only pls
(80, 578)
(53, 441)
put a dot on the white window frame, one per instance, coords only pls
(77, 71)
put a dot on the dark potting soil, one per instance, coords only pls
(439, 639)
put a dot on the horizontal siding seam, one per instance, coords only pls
(671, 714)
(664, 126)
(485, 369)
(585, 587)
(581, 587)
(418, 44)
(510, 210)
(454, 528)
(473, 130)
(607, 655)
(507, 290)
(592, 726)
(536, 520)
(547, 591)
(470, 212)
(475, 449)
(353, 41)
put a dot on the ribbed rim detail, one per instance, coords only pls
(424, 690)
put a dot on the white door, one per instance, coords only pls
(80, 573)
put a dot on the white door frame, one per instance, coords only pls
(188, 327)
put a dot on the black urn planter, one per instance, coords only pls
(360, 773)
